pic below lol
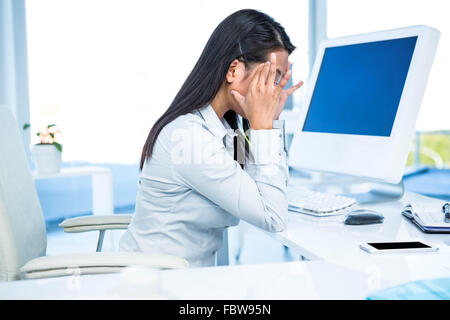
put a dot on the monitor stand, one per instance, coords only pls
(363, 190)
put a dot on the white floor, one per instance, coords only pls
(256, 247)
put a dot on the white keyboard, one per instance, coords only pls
(316, 203)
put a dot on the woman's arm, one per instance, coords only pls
(256, 195)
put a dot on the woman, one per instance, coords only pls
(191, 187)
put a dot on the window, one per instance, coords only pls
(355, 16)
(104, 70)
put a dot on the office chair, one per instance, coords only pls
(23, 239)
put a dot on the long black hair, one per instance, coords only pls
(247, 35)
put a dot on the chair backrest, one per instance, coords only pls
(22, 226)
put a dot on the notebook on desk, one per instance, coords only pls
(430, 220)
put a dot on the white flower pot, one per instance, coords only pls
(46, 157)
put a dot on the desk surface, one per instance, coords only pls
(293, 280)
(328, 239)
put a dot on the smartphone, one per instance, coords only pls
(394, 247)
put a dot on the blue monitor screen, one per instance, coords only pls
(359, 87)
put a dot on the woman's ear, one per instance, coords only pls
(235, 71)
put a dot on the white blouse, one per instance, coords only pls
(192, 188)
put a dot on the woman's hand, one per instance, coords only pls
(262, 101)
(285, 95)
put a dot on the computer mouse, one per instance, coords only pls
(363, 216)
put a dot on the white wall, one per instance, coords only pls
(105, 70)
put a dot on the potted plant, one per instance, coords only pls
(47, 153)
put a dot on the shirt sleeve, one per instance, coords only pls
(268, 166)
(256, 195)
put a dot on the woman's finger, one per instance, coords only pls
(283, 81)
(272, 69)
(255, 79)
(293, 88)
(264, 73)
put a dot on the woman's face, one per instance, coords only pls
(239, 77)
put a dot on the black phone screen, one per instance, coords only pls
(398, 245)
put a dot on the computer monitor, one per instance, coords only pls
(362, 103)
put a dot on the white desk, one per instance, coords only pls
(102, 185)
(328, 239)
(293, 280)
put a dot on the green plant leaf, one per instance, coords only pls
(26, 126)
(57, 146)
(51, 125)
(52, 135)
(38, 134)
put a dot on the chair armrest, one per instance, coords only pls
(96, 223)
(97, 263)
